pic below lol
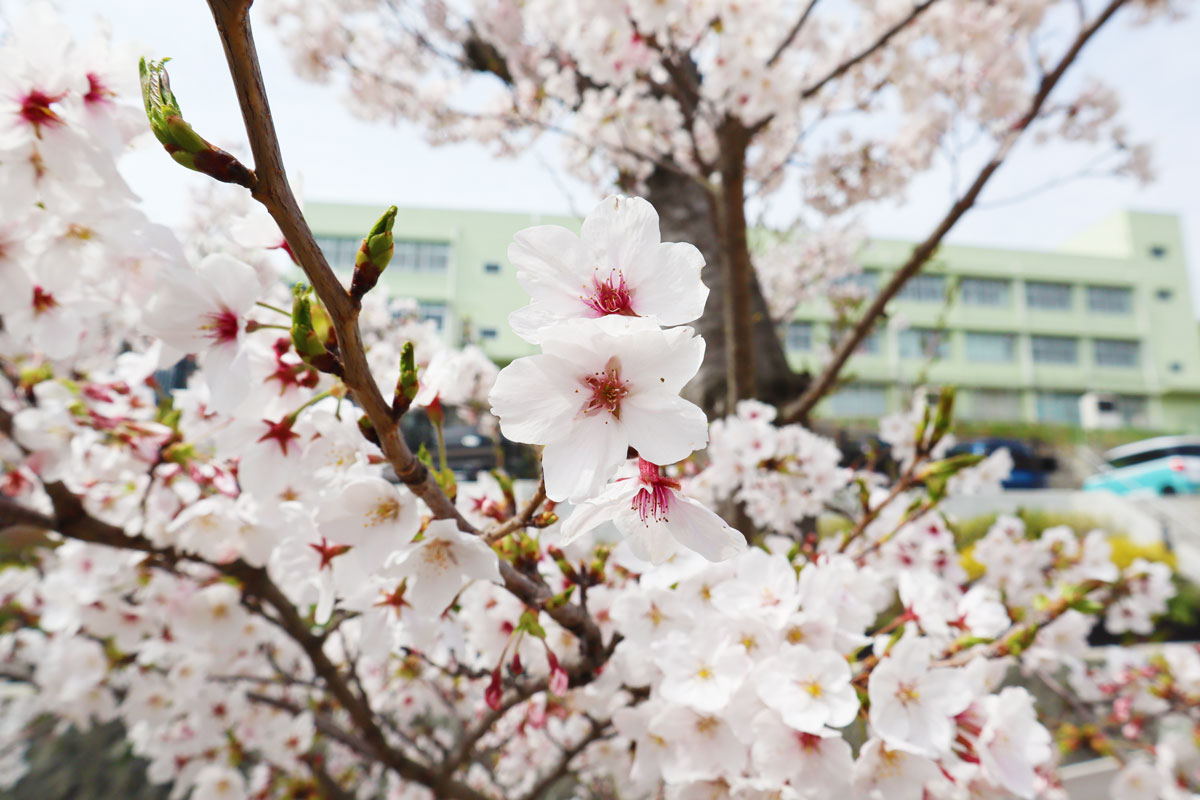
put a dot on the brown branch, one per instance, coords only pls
(272, 190)
(597, 731)
(791, 35)
(844, 67)
(520, 520)
(799, 409)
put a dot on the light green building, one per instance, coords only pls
(1023, 334)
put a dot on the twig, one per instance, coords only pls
(791, 36)
(521, 519)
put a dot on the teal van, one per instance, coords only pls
(1162, 465)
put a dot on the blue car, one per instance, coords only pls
(1162, 465)
(1029, 470)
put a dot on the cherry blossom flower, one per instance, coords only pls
(913, 706)
(617, 265)
(654, 516)
(204, 311)
(600, 387)
(444, 561)
(810, 689)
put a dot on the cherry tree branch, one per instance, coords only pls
(270, 187)
(522, 519)
(791, 35)
(799, 409)
(844, 67)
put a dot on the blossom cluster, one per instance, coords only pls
(226, 569)
(608, 380)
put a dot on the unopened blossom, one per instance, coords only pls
(913, 706)
(444, 561)
(600, 387)
(617, 265)
(654, 516)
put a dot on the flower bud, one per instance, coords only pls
(305, 338)
(407, 385)
(373, 256)
(183, 144)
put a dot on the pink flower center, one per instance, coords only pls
(611, 298)
(43, 301)
(97, 92)
(221, 326)
(35, 109)
(608, 390)
(654, 498)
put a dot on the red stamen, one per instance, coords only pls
(43, 301)
(608, 390)
(35, 109)
(221, 326)
(654, 498)
(611, 298)
(97, 92)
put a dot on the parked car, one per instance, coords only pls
(1030, 470)
(1162, 465)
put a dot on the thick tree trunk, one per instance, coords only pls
(686, 215)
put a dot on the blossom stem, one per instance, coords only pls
(276, 309)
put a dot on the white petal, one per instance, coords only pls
(227, 374)
(660, 360)
(663, 428)
(666, 283)
(233, 282)
(621, 228)
(578, 467)
(551, 267)
(536, 398)
(701, 530)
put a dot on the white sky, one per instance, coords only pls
(1155, 69)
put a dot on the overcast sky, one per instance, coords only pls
(1155, 69)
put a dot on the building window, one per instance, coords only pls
(421, 256)
(1060, 407)
(1110, 299)
(1115, 353)
(408, 255)
(491, 268)
(487, 333)
(924, 343)
(1164, 294)
(994, 348)
(798, 337)
(1047, 295)
(339, 251)
(995, 404)
(984, 291)
(867, 281)
(924, 289)
(869, 346)
(433, 312)
(859, 400)
(1158, 251)
(1054, 349)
